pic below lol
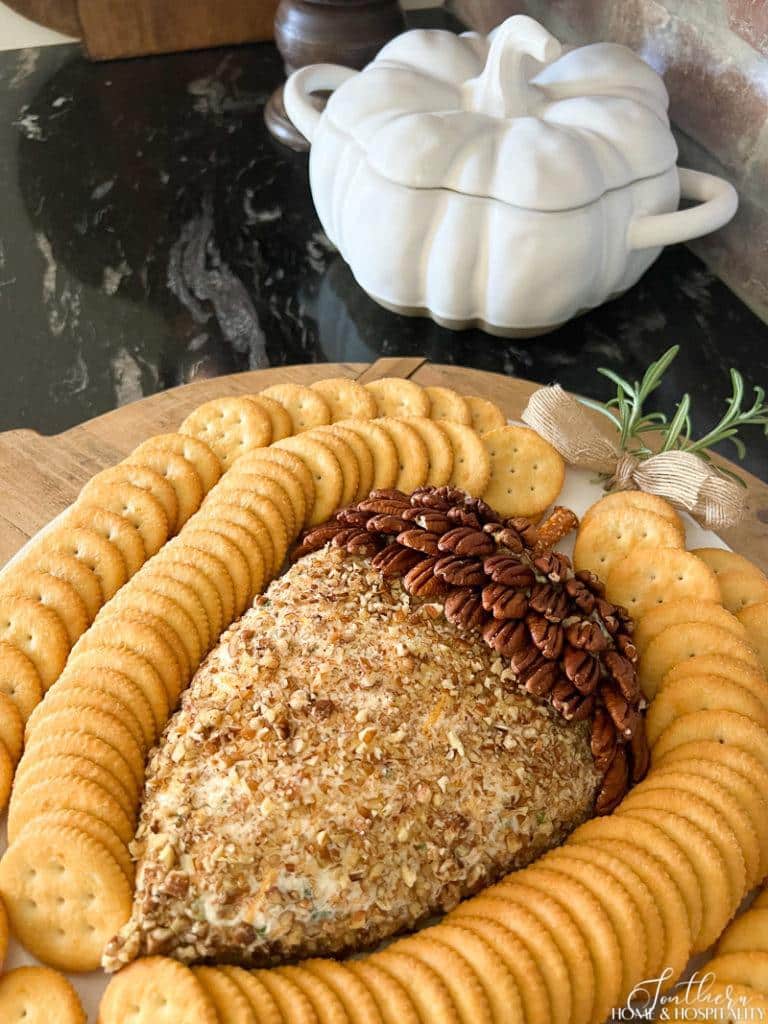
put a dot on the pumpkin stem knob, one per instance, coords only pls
(503, 90)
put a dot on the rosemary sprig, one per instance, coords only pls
(627, 412)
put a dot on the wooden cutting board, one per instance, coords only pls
(130, 28)
(41, 476)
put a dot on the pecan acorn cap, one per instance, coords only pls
(565, 642)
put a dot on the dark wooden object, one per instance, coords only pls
(131, 28)
(348, 32)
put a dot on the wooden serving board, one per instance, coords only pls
(41, 476)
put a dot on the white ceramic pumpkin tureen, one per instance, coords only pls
(501, 182)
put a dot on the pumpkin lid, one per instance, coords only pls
(511, 117)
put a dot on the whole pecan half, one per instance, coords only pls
(582, 669)
(548, 637)
(386, 523)
(623, 673)
(384, 506)
(626, 646)
(464, 608)
(591, 581)
(509, 570)
(419, 540)
(421, 581)
(549, 601)
(463, 540)
(315, 539)
(460, 572)
(603, 740)
(504, 602)
(625, 715)
(640, 754)
(461, 516)
(540, 677)
(615, 783)
(587, 636)
(395, 560)
(430, 519)
(552, 565)
(353, 517)
(608, 613)
(581, 595)
(506, 637)
(569, 702)
(362, 543)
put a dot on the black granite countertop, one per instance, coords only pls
(152, 232)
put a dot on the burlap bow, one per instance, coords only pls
(685, 480)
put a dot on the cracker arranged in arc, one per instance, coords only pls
(754, 620)
(38, 633)
(391, 998)
(644, 837)
(729, 867)
(98, 554)
(196, 452)
(439, 450)
(247, 532)
(326, 1004)
(447, 404)
(750, 790)
(91, 826)
(6, 776)
(113, 527)
(471, 463)
(65, 896)
(485, 415)
(11, 727)
(719, 665)
(266, 463)
(427, 990)
(345, 456)
(54, 593)
(232, 1006)
(740, 590)
(521, 929)
(279, 417)
(262, 1004)
(58, 765)
(398, 397)
(725, 727)
(326, 473)
(180, 474)
(386, 466)
(106, 662)
(722, 560)
(156, 990)
(180, 552)
(614, 532)
(674, 613)
(362, 453)
(171, 611)
(701, 693)
(651, 576)
(347, 399)
(412, 454)
(638, 500)
(39, 995)
(467, 994)
(133, 474)
(258, 484)
(63, 567)
(593, 922)
(229, 426)
(139, 507)
(229, 554)
(307, 408)
(19, 679)
(687, 640)
(527, 473)
(702, 856)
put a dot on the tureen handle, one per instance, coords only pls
(297, 94)
(502, 90)
(718, 202)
